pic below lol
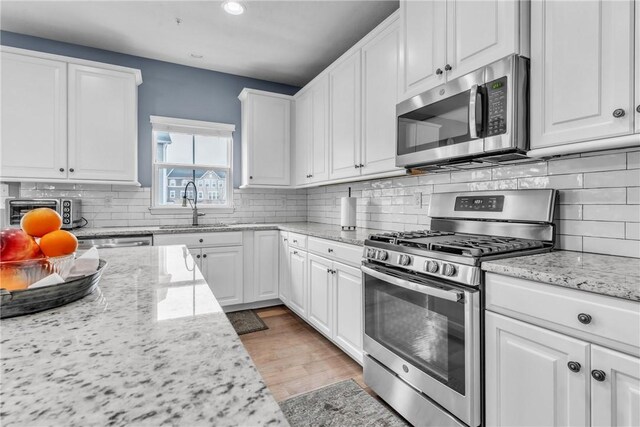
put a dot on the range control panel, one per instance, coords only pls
(479, 203)
(497, 103)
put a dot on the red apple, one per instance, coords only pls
(16, 245)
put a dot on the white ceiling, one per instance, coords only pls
(282, 41)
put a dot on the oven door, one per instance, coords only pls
(442, 124)
(428, 333)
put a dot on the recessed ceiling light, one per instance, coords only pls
(195, 55)
(233, 7)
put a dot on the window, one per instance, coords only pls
(191, 151)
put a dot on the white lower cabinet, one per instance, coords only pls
(616, 400)
(298, 284)
(320, 293)
(528, 381)
(347, 308)
(553, 373)
(283, 273)
(265, 265)
(222, 268)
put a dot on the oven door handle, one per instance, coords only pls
(473, 99)
(423, 289)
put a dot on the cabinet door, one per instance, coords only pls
(319, 150)
(298, 281)
(269, 131)
(423, 35)
(616, 400)
(581, 71)
(637, 75)
(379, 94)
(34, 117)
(283, 250)
(304, 136)
(103, 124)
(265, 264)
(480, 32)
(222, 269)
(348, 329)
(528, 382)
(345, 118)
(320, 293)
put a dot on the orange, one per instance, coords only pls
(40, 221)
(57, 243)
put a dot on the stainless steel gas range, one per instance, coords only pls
(423, 300)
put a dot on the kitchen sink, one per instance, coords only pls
(187, 226)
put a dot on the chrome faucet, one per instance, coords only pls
(194, 205)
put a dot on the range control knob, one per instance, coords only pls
(431, 266)
(371, 253)
(448, 269)
(383, 255)
(404, 260)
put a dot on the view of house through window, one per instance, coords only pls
(188, 151)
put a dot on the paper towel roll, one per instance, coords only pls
(348, 213)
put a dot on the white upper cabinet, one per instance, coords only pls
(103, 124)
(582, 78)
(266, 129)
(442, 40)
(480, 32)
(637, 32)
(34, 117)
(379, 93)
(423, 35)
(65, 119)
(615, 396)
(303, 137)
(318, 153)
(344, 84)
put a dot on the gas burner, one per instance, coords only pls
(484, 245)
(398, 236)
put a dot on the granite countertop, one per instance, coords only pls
(602, 274)
(151, 346)
(324, 231)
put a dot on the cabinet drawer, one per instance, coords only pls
(612, 321)
(233, 238)
(298, 240)
(348, 254)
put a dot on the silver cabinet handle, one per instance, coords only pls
(449, 295)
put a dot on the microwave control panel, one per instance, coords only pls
(479, 203)
(497, 103)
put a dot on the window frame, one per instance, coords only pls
(194, 127)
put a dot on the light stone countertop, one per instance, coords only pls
(150, 347)
(324, 231)
(602, 274)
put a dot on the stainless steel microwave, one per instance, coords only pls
(479, 115)
(68, 208)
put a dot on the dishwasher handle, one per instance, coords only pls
(121, 245)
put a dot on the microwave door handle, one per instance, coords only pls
(423, 289)
(473, 97)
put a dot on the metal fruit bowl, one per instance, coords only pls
(26, 301)
(29, 271)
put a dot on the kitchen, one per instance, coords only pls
(441, 197)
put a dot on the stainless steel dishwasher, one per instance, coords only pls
(85, 243)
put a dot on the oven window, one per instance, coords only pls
(436, 125)
(425, 331)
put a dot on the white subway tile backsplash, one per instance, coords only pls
(633, 160)
(624, 178)
(629, 213)
(588, 164)
(592, 228)
(630, 248)
(593, 196)
(633, 195)
(556, 181)
(516, 171)
(569, 243)
(632, 231)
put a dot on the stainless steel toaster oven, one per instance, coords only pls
(70, 209)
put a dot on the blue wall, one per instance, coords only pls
(168, 89)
